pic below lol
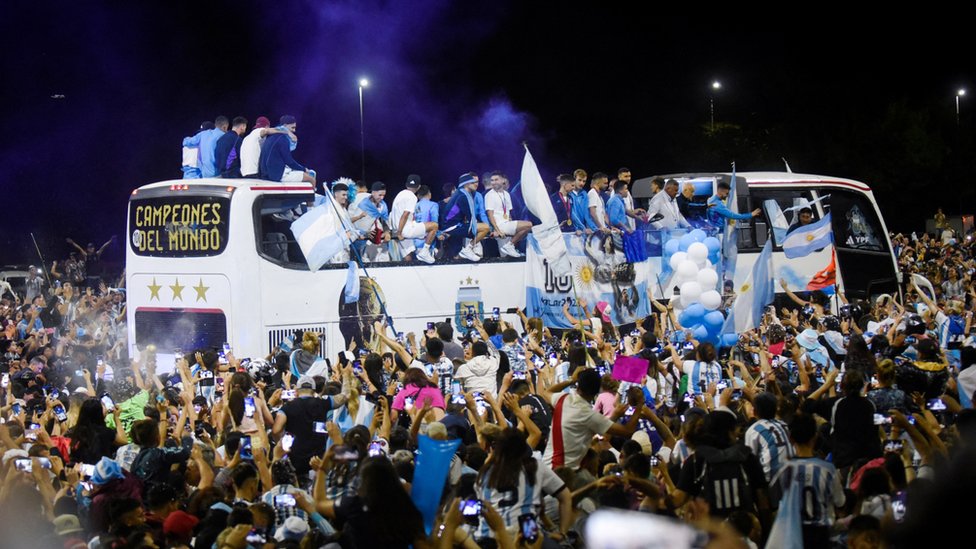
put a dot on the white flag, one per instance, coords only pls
(547, 232)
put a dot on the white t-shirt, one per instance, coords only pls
(579, 423)
(595, 201)
(500, 203)
(405, 201)
(251, 152)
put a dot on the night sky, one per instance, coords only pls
(97, 96)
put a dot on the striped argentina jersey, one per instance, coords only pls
(769, 439)
(821, 489)
(521, 499)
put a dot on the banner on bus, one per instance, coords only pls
(600, 272)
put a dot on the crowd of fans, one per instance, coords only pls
(861, 411)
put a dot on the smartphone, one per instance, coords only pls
(881, 419)
(518, 375)
(220, 381)
(529, 527)
(24, 464)
(553, 360)
(655, 461)
(721, 385)
(471, 510)
(246, 452)
(469, 321)
(894, 446)
(408, 403)
(60, 413)
(15, 409)
(342, 452)
(108, 403)
(457, 399)
(687, 346)
(936, 405)
(375, 449)
(285, 500)
(430, 326)
(689, 398)
(288, 394)
(100, 361)
(87, 470)
(249, 407)
(496, 313)
(226, 348)
(31, 432)
(256, 536)
(287, 440)
(319, 427)
(736, 394)
(5, 381)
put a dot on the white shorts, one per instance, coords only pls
(292, 176)
(412, 229)
(508, 227)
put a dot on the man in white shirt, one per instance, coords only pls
(407, 229)
(664, 204)
(595, 203)
(498, 206)
(251, 147)
(576, 421)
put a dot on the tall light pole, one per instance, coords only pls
(959, 94)
(716, 85)
(362, 128)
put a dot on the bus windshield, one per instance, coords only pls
(176, 225)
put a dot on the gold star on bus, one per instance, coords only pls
(201, 290)
(154, 290)
(177, 290)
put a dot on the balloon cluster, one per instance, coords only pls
(693, 257)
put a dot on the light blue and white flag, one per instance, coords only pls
(758, 291)
(807, 239)
(730, 248)
(352, 283)
(547, 232)
(318, 235)
(787, 531)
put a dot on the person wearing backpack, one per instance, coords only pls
(723, 471)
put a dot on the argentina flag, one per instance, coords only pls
(807, 239)
(757, 292)
(318, 235)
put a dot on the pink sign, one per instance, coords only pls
(629, 368)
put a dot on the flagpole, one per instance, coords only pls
(359, 260)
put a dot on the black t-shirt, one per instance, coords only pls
(855, 436)
(359, 531)
(302, 413)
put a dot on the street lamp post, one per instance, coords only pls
(362, 129)
(959, 94)
(716, 85)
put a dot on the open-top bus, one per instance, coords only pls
(210, 261)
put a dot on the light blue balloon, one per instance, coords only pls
(698, 234)
(714, 258)
(694, 313)
(701, 333)
(729, 340)
(713, 320)
(671, 247)
(712, 244)
(685, 241)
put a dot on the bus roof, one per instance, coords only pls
(784, 179)
(228, 184)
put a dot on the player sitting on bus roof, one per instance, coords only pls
(370, 214)
(406, 227)
(276, 162)
(498, 207)
(471, 214)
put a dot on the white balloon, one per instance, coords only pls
(698, 251)
(711, 300)
(676, 260)
(687, 301)
(707, 277)
(687, 269)
(692, 291)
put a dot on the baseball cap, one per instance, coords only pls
(413, 180)
(601, 307)
(262, 122)
(293, 528)
(180, 523)
(306, 382)
(66, 524)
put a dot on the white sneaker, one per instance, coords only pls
(424, 255)
(509, 250)
(467, 253)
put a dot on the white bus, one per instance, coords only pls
(208, 261)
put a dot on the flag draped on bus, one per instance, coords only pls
(547, 232)
(757, 292)
(805, 240)
(319, 234)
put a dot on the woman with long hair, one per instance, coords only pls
(379, 514)
(91, 440)
(859, 357)
(509, 480)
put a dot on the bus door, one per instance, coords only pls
(863, 253)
